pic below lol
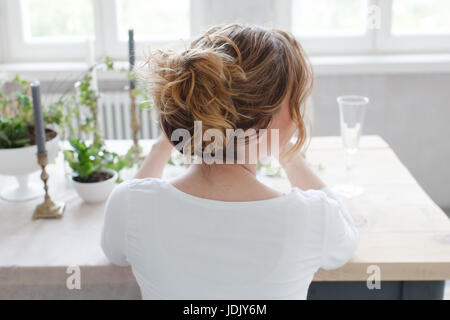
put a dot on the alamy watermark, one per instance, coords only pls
(374, 279)
(373, 21)
(74, 280)
(236, 146)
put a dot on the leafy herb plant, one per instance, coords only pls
(16, 115)
(14, 133)
(87, 159)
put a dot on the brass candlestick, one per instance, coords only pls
(135, 127)
(48, 209)
(135, 123)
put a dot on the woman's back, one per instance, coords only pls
(235, 96)
(185, 247)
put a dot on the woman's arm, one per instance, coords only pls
(340, 234)
(114, 232)
(298, 172)
(156, 160)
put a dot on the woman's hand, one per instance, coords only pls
(285, 155)
(163, 143)
(156, 160)
(298, 172)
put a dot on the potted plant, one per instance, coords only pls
(95, 170)
(17, 142)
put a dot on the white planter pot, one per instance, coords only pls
(20, 162)
(92, 192)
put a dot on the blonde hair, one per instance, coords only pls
(232, 77)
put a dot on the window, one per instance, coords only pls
(328, 17)
(57, 30)
(414, 26)
(367, 26)
(421, 17)
(57, 20)
(154, 19)
(50, 30)
(328, 26)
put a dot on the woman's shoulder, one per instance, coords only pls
(145, 184)
(312, 197)
(316, 204)
(137, 186)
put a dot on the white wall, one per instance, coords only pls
(411, 112)
(258, 12)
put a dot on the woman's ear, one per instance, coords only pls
(282, 121)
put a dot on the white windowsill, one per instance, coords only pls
(323, 65)
(382, 64)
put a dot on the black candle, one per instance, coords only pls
(131, 56)
(39, 129)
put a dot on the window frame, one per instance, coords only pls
(18, 49)
(118, 49)
(3, 31)
(387, 42)
(324, 45)
(374, 41)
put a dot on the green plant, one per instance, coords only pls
(141, 92)
(88, 99)
(177, 159)
(14, 133)
(24, 101)
(142, 95)
(16, 115)
(85, 159)
(19, 105)
(53, 114)
(269, 169)
(109, 63)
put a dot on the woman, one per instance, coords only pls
(216, 232)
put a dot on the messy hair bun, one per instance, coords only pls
(232, 77)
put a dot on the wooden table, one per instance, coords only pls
(401, 231)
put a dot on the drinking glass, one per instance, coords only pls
(351, 115)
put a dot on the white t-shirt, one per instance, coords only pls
(185, 247)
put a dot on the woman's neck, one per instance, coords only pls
(224, 172)
(224, 182)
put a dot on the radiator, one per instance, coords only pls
(114, 117)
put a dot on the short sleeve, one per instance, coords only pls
(114, 233)
(340, 236)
